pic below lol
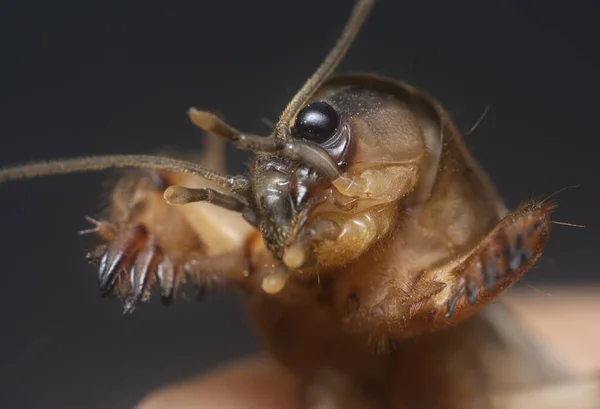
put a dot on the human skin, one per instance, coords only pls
(561, 319)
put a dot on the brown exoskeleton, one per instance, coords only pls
(364, 235)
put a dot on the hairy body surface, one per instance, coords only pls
(363, 332)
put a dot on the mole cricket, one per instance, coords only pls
(366, 239)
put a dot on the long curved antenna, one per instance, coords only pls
(359, 14)
(95, 163)
(238, 184)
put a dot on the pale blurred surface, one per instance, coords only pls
(567, 321)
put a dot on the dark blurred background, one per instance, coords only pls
(118, 76)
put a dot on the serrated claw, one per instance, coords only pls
(134, 264)
(119, 254)
(141, 273)
(165, 273)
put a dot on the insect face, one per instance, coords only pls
(302, 212)
(282, 189)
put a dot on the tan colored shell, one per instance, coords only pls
(404, 262)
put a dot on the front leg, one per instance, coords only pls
(151, 244)
(447, 294)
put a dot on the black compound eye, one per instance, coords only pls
(317, 122)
